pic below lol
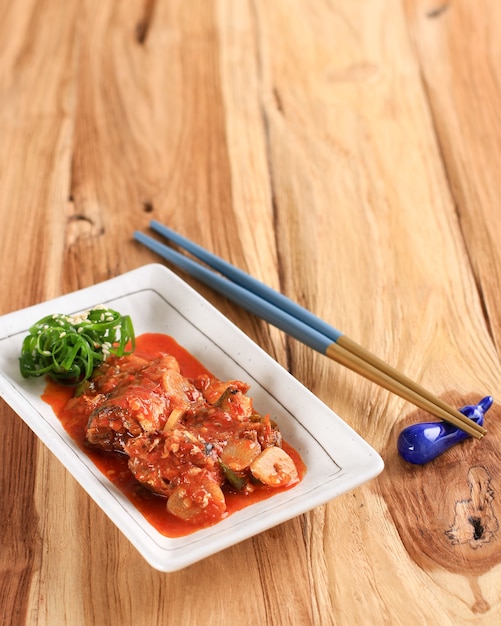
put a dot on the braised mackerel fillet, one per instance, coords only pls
(187, 439)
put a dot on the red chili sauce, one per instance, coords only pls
(114, 465)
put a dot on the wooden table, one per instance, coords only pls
(346, 153)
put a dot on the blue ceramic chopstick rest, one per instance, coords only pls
(421, 443)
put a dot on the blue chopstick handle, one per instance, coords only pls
(251, 284)
(238, 294)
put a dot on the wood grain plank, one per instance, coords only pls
(150, 141)
(463, 83)
(457, 47)
(36, 96)
(356, 160)
(36, 122)
(320, 148)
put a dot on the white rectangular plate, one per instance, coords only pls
(336, 457)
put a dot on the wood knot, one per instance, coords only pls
(438, 11)
(446, 512)
(80, 226)
(475, 522)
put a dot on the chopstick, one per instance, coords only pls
(298, 322)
